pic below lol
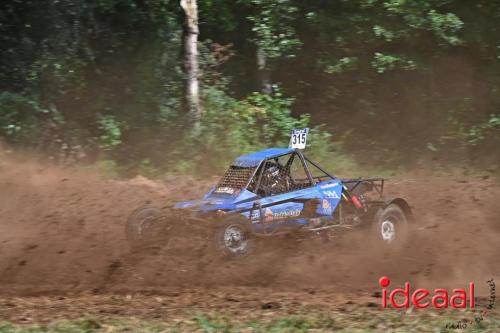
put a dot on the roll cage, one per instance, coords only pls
(258, 180)
(287, 165)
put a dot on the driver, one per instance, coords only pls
(273, 179)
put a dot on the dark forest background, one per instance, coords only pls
(385, 84)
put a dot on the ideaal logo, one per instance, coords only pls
(440, 298)
(422, 298)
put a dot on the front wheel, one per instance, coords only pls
(234, 239)
(390, 226)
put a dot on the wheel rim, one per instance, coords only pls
(388, 231)
(145, 224)
(235, 239)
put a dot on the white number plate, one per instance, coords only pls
(299, 138)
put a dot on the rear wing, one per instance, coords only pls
(361, 185)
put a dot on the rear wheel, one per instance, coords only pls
(234, 238)
(391, 226)
(143, 226)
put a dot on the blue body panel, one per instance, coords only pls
(277, 211)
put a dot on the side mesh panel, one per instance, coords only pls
(236, 177)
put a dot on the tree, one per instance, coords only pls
(274, 35)
(190, 8)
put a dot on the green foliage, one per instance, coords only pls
(214, 324)
(383, 63)
(342, 65)
(19, 117)
(361, 320)
(421, 15)
(488, 129)
(111, 132)
(274, 34)
(291, 324)
(386, 34)
(105, 80)
(445, 26)
(230, 128)
(403, 24)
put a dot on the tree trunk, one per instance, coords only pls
(263, 72)
(191, 48)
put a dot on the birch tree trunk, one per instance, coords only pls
(190, 7)
(264, 74)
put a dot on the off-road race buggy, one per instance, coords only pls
(280, 191)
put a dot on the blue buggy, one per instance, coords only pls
(278, 191)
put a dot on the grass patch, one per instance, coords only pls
(215, 323)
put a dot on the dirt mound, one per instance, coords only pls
(62, 230)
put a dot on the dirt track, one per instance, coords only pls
(62, 231)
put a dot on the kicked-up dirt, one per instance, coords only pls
(62, 243)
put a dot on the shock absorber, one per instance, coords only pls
(352, 198)
(357, 203)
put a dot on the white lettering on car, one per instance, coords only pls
(329, 185)
(331, 194)
(227, 190)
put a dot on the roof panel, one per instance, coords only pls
(253, 159)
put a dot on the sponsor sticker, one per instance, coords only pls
(327, 207)
(269, 215)
(227, 190)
